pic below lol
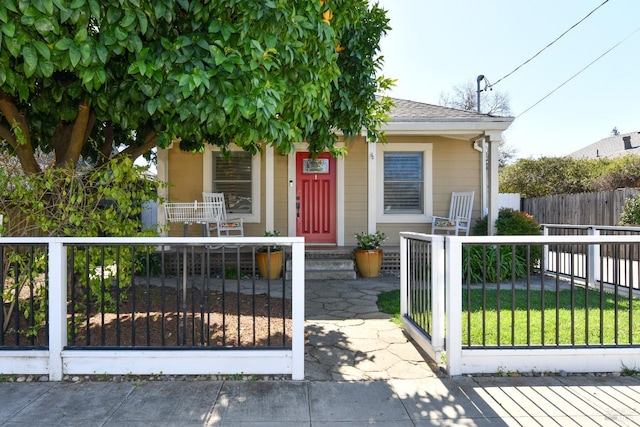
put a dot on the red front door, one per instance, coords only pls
(316, 198)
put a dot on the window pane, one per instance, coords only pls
(403, 183)
(402, 166)
(232, 177)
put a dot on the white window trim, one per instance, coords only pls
(207, 180)
(427, 150)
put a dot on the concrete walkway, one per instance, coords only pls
(360, 370)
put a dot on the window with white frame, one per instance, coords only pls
(232, 176)
(238, 177)
(404, 182)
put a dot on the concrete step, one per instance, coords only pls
(326, 268)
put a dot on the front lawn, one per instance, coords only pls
(524, 318)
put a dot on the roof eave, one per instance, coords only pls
(498, 124)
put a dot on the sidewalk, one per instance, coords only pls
(360, 370)
(464, 401)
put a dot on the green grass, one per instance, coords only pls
(560, 327)
(389, 302)
(592, 320)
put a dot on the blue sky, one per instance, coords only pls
(437, 44)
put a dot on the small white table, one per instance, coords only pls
(192, 213)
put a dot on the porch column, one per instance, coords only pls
(269, 188)
(493, 140)
(163, 191)
(371, 187)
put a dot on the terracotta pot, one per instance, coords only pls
(368, 262)
(269, 264)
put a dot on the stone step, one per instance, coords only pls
(326, 268)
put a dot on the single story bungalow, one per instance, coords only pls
(431, 151)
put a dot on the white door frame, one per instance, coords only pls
(291, 199)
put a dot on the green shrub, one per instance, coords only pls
(631, 211)
(509, 223)
(100, 201)
(480, 262)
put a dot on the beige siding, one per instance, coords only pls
(185, 184)
(456, 167)
(355, 190)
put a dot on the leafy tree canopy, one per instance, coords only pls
(82, 77)
(564, 175)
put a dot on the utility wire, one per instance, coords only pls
(588, 65)
(547, 46)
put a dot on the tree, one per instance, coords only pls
(547, 175)
(465, 97)
(493, 103)
(81, 77)
(564, 175)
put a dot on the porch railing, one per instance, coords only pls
(523, 303)
(150, 305)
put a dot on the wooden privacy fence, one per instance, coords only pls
(603, 208)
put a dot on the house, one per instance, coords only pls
(613, 146)
(392, 187)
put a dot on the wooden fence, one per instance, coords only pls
(603, 208)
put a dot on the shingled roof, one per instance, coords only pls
(411, 111)
(613, 146)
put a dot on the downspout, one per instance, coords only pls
(483, 174)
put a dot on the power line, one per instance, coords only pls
(588, 65)
(547, 46)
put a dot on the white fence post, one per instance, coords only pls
(545, 252)
(453, 287)
(297, 315)
(57, 308)
(593, 269)
(404, 283)
(438, 289)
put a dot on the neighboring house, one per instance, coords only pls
(392, 187)
(614, 146)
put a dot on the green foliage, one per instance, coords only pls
(509, 223)
(621, 172)
(370, 241)
(272, 248)
(104, 201)
(192, 71)
(546, 176)
(631, 211)
(565, 175)
(491, 262)
(497, 262)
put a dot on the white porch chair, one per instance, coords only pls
(217, 221)
(459, 219)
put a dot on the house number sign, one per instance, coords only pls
(315, 165)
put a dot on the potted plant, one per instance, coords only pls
(269, 258)
(368, 253)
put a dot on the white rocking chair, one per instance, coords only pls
(217, 221)
(459, 219)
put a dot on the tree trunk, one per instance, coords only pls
(80, 131)
(19, 137)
